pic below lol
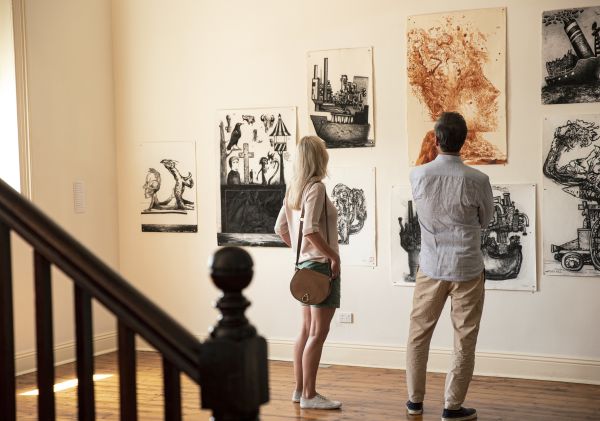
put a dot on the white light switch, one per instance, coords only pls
(79, 196)
(346, 317)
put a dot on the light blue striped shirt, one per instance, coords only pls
(454, 202)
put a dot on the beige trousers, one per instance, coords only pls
(466, 308)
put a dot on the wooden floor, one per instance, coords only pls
(368, 394)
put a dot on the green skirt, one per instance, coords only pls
(333, 300)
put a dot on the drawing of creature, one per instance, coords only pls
(235, 138)
(583, 173)
(581, 178)
(352, 211)
(248, 119)
(266, 162)
(181, 183)
(268, 121)
(151, 188)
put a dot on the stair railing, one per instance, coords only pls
(230, 366)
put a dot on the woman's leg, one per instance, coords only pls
(321, 319)
(299, 346)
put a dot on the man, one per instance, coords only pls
(454, 202)
(234, 175)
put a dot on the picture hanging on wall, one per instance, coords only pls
(255, 147)
(352, 191)
(571, 212)
(571, 55)
(167, 200)
(457, 62)
(508, 243)
(340, 97)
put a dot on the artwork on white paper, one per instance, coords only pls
(571, 211)
(508, 243)
(340, 97)
(352, 191)
(571, 55)
(255, 147)
(167, 193)
(456, 61)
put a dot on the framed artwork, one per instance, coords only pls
(167, 201)
(457, 62)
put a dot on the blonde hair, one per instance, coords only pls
(310, 166)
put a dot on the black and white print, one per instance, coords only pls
(507, 244)
(340, 97)
(571, 55)
(352, 191)
(168, 187)
(571, 195)
(255, 148)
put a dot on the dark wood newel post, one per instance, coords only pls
(234, 372)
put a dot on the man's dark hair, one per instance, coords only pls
(451, 131)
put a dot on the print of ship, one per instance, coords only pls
(580, 66)
(348, 124)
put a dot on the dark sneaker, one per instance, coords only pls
(462, 414)
(414, 408)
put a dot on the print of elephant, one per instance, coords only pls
(352, 211)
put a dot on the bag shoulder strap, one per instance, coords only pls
(300, 236)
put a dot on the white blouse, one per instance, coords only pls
(288, 220)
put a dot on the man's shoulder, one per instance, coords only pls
(476, 175)
(420, 170)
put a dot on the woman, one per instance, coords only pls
(317, 253)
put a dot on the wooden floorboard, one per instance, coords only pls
(368, 394)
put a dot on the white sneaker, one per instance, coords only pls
(319, 402)
(296, 396)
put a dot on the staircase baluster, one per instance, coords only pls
(44, 338)
(8, 407)
(85, 355)
(127, 373)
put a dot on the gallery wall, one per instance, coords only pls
(70, 104)
(176, 64)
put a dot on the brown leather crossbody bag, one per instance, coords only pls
(309, 286)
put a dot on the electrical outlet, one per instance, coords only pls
(346, 317)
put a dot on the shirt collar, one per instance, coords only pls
(448, 158)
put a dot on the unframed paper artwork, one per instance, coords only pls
(456, 62)
(255, 148)
(340, 97)
(352, 191)
(571, 55)
(508, 243)
(571, 156)
(167, 200)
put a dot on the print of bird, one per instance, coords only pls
(235, 137)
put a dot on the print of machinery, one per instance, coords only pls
(585, 249)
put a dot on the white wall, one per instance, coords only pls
(175, 63)
(9, 147)
(69, 77)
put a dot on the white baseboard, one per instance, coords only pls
(64, 353)
(524, 366)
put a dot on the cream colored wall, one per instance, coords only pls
(69, 77)
(175, 63)
(9, 148)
